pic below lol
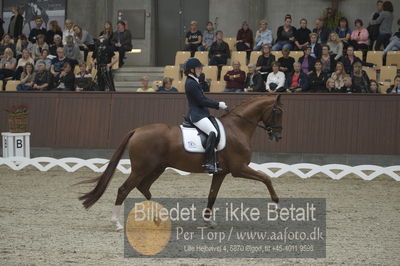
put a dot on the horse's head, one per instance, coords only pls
(272, 120)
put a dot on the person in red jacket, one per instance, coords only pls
(235, 78)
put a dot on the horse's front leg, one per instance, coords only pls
(212, 196)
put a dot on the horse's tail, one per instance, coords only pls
(103, 180)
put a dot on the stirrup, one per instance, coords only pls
(210, 168)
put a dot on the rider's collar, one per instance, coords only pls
(193, 77)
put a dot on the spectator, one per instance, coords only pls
(327, 60)
(264, 62)
(68, 30)
(244, 38)
(53, 30)
(385, 20)
(83, 79)
(343, 31)
(38, 30)
(276, 79)
(208, 36)
(350, 59)
(307, 61)
(8, 65)
(331, 18)
(318, 79)
(374, 86)
(193, 39)
(39, 46)
(254, 80)
(322, 31)
(235, 78)
(107, 31)
(302, 37)
(145, 86)
(297, 81)
(65, 79)
(395, 88)
(347, 86)
(58, 62)
(44, 59)
(72, 52)
(83, 40)
(286, 61)
(22, 44)
(394, 44)
(339, 75)
(5, 43)
(42, 78)
(167, 86)
(373, 29)
(25, 59)
(330, 85)
(360, 79)
(57, 42)
(16, 23)
(316, 49)
(263, 36)
(27, 78)
(335, 46)
(359, 36)
(285, 36)
(122, 41)
(219, 51)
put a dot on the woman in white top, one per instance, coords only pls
(276, 79)
(68, 30)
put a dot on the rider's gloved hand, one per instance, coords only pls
(222, 105)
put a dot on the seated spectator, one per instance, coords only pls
(22, 44)
(359, 36)
(54, 29)
(322, 31)
(286, 61)
(193, 39)
(394, 44)
(27, 78)
(167, 86)
(44, 59)
(350, 59)
(330, 85)
(327, 60)
(72, 52)
(254, 80)
(307, 61)
(235, 78)
(302, 36)
(263, 36)
(317, 79)
(385, 21)
(58, 62)
(219, 51)
(316, 49)
(276, 79)
(16, 23)
(339, 75)
(68, 31)
(347, 86)
(107, 31)
(285, 35)
(343, 31)
(297, 81)
(57, 42)
(38, 46)
(335, 46)
(38, 30)
(145, 84)
(5, 43)
(8, 65)
(208, 36)
(374, 86)
(360, 79)
(26, 58)
(83, 40)
(83, 79)
(395, 88)
(244, 38)
(65, 79)
(264, 61)
(122, 41)
(42, 80)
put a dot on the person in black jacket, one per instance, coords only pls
(316, 49)
(322, 31)
(297, 81)
(219, 51)
(328, 61)
(395, 88)
(254, 80)
(318, 79)
(286, 61)
(264, 62)
(302, 35)
(122, 41)
(38, 30)
(65, 79)
(285, 36)
(198, 111)
(16, 23)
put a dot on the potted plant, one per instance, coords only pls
(17, 118)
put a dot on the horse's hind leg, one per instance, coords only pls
(144, 186)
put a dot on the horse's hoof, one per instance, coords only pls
(119, 228)
(211, 224)
(118, 225)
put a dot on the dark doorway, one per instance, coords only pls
(173, 21)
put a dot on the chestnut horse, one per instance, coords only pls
(155, 147)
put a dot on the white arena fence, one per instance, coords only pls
(302, 170)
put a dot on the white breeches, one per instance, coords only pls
(206, 126)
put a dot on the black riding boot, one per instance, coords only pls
(210, 163)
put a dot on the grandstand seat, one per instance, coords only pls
(231, 42)
(172, 72)
(375, 57)
(116, 65)
(156, 84)
(277, 54)
(254, 57)
(89, 60)
(296, 55)
(239, 56)
(393, 59)
(1, 85)
(202, 56)
(383, 87)
(217, 86)
(224, 70)
(388, 73)
(211, 72)
(358, 54)
(179, 84)
(12, 85)
(371, 72)
(181, 57)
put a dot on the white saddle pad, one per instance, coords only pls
(192, 141)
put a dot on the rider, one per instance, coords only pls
(198, 111)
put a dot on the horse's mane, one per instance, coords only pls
(239, 108)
